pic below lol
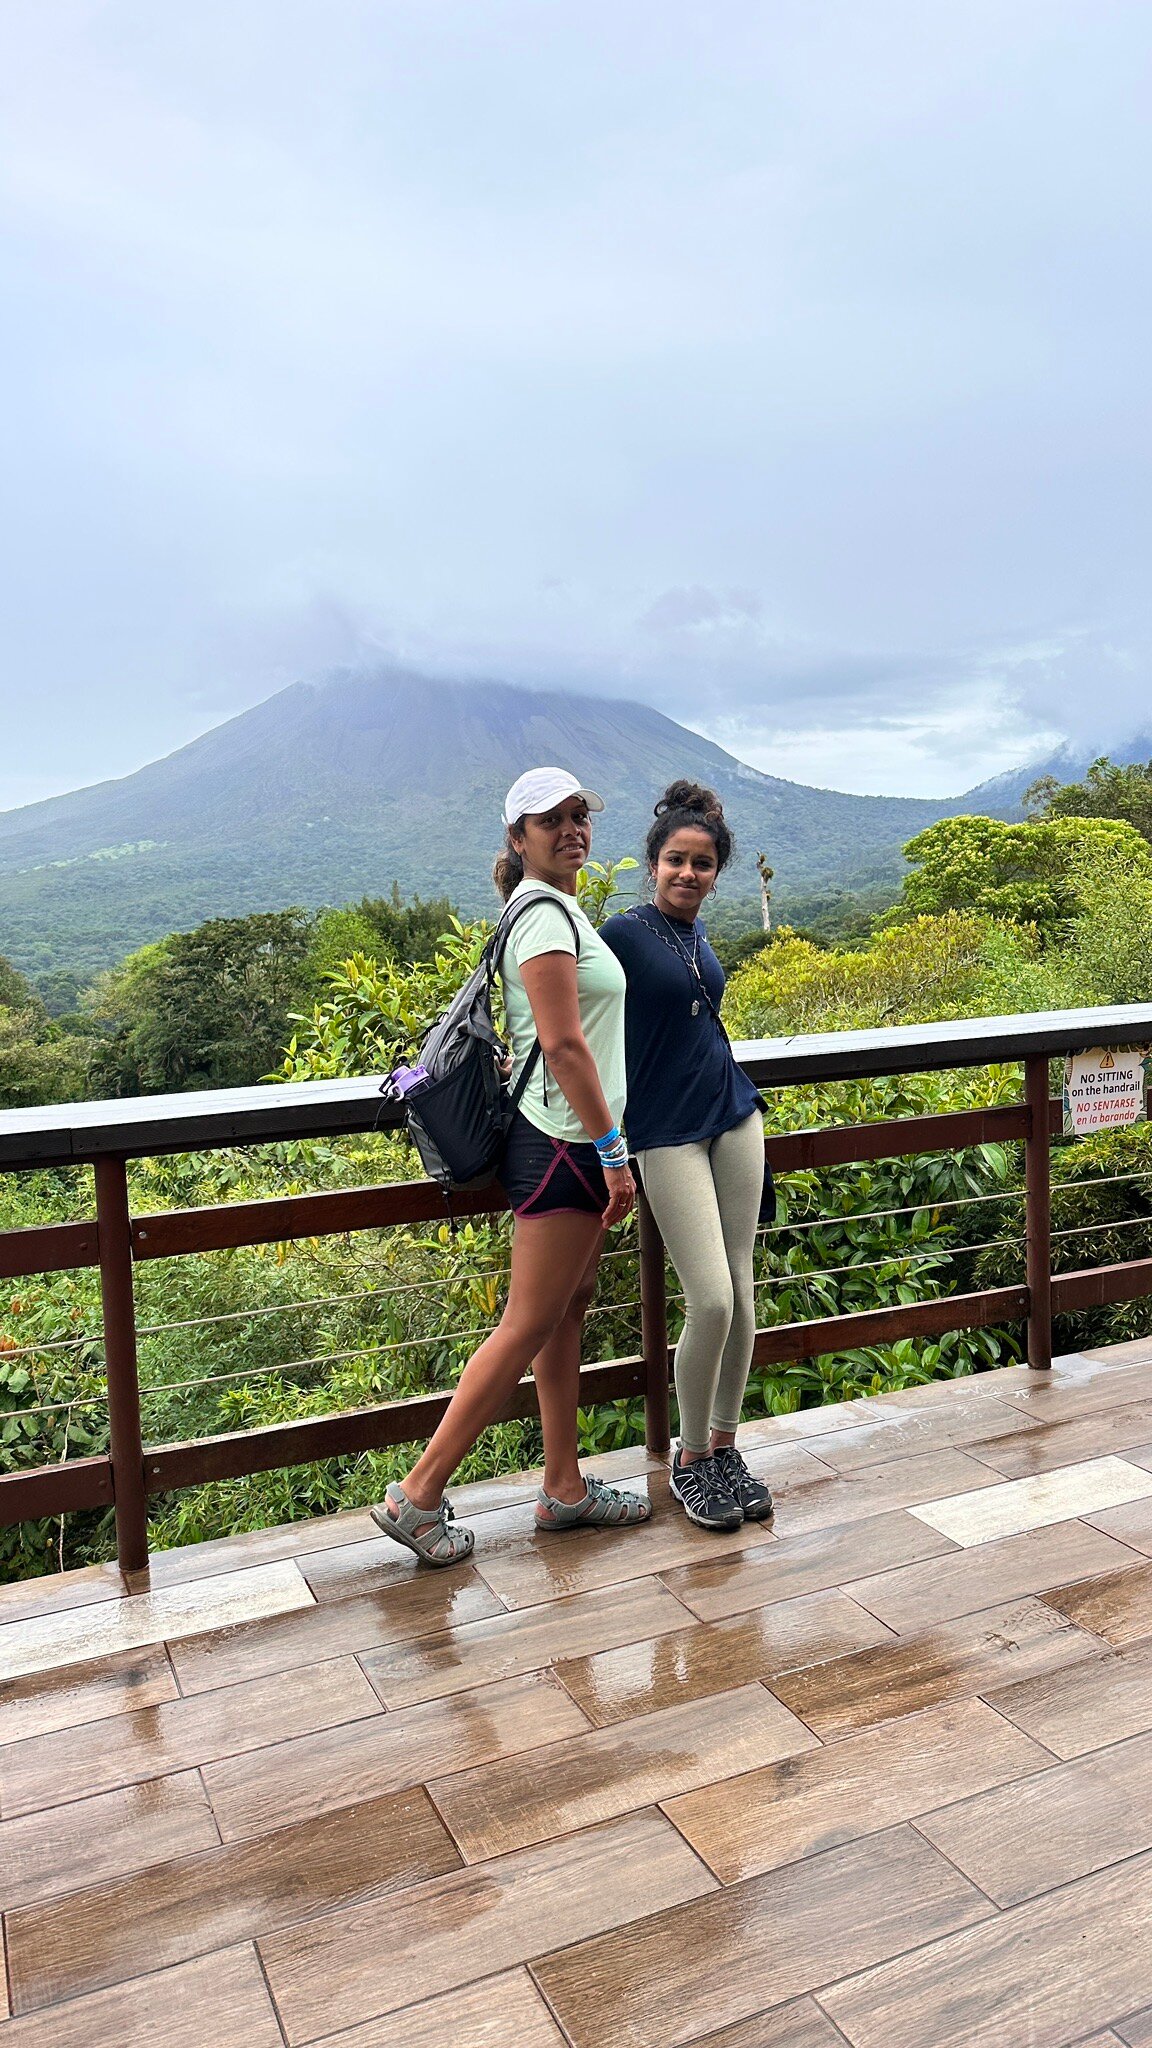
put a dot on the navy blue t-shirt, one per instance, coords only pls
(683, 1083)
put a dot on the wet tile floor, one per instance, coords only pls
(880, 1772)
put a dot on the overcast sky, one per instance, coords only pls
(783, 363)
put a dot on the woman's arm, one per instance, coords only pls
(550, 985)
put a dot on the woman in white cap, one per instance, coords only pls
(564, 1170)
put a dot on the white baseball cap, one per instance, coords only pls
(541, 789)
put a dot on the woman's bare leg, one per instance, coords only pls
(550, 1255)
(556, 1370)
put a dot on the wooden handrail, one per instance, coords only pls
(148, 1126)
(174, 1233)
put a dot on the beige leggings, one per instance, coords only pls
(706, 1201)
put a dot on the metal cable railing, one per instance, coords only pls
(53, 1407)
(153, 1390)
(938, 1254)
(833, 1217)
(1093, 1229)
(54, 1344)
(934, 1255)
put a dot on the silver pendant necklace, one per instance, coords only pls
(691, 959)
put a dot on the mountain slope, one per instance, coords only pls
(332, 790)
(1004, 793)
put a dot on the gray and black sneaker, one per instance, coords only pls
(703, 1492)
(751, 1495)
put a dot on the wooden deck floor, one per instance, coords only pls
(881, 1775)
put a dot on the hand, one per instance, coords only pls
(621, 1194)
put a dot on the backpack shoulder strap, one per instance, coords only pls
(512, 915)
(497, 944)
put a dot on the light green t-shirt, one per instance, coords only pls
(600, 989)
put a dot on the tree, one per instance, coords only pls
(203, 1009)
(38, 1062)
(1028, 874)
(60, 990)
(1111, 789)
(1109, 949)
(408, 932)
(374, 1011)
(378, 928)
(765, 873)
(15, 993)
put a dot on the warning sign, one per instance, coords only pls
(1105, 1088)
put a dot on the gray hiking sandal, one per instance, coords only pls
(433, 1535)
(603, 1507)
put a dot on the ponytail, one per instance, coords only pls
(508, 867)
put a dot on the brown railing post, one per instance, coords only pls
(1038, 1212)
(653, 1329)
(127, 1451)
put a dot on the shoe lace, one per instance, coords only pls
(737, 1475)
(705, 1479)
(732, 1463)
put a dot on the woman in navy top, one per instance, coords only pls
(695, 1124)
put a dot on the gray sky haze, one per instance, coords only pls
(783, 365)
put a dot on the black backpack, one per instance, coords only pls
(458, 1118)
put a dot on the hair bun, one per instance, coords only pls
(691, 796)
(689, 805)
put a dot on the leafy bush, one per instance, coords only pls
(51, 1380)
(931, 967)
(376, 1012)
(856, 1238)
(1101, 1215)
(377, 1009)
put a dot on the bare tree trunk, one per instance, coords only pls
(765, 873)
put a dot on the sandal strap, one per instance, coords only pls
(433, 1533)
(619, 1504)
(601, 1506)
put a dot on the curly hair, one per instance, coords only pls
(689, 804)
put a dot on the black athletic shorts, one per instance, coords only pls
(544, 1176)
